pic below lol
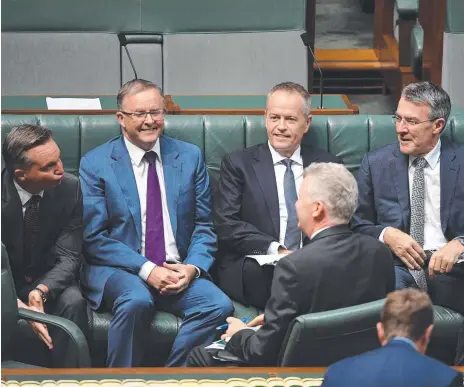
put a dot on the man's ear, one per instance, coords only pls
(439, 126)
(120, 118)
(19, 174)
(308, 122)
(381, 333)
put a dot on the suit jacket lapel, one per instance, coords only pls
(399, 170)
(122, 168)
(449, 171)
(172, 168)
(12, 215)
(265, 174)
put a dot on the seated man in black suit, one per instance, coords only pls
(42, 232)
(338, 268)
(404, 331)
(254, 209)
(411, 197)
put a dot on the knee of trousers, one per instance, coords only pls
(74, 303)
(134, 304)
(222, 307)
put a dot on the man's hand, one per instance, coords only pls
(282, 251)
(257, 321)
(235, 325)
(443, 260)
(39, 329)
(187, 274)
(160, 277)
(35, 300)
(404, 247)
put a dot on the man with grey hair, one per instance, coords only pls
(148, 232)
(411, 197)
(337, 269)
(254, 209)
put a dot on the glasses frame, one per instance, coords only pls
(161, 113)
(408, 124)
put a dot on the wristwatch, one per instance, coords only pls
(42, 294)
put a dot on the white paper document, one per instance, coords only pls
(73, 103)
(270, 259)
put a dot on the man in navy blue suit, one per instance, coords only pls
(411, 197)
(148, 232)
(406, 323)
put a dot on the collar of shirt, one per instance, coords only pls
(319, 231)
(277, 157)
(24, 196)
(405, 340)
(432, 157)
(136, 154)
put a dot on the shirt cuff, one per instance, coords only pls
(198, 271)
(273, 248)
(146, 269)
(381, 235)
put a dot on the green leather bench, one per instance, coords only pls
(349, 137)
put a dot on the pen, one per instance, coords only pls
(225, 326)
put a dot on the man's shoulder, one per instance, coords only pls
(182, 146)
(247, 153)
(102, 150)
(382, 153)
(320, 154)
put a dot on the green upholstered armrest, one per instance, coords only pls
(407, 9)
(319, 339)
(72, 330)
(417, 45)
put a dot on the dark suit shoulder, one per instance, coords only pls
(246, 153)
(385, 151)
(320, 156)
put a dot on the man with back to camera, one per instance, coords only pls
(254, 209)
(338, 268)
(411, 197)
(404, 330)
(42, 233)
(149, 239)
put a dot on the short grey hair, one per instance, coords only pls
(431, 95)
(19, 141)
(292, 87)
(133, 87)
(334, 185)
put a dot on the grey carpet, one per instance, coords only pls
(342, 24)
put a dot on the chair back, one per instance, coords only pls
(320, 339)
(9, 303)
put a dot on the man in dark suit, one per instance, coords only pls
(411, 197)
(254, 210)
(406, 323)
(148, 232)
(42, 232)
(338, 268)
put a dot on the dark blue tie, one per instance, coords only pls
(293, 233)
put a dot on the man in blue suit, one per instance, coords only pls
(406, 323)
(411, 197)
(148, 232)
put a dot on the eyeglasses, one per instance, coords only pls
(154, 114)
(409, 122)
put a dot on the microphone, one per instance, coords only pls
(123, 42)
(306, 41)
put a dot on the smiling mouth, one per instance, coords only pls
(149, 130)
(281, 136)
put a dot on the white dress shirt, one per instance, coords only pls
(279, 169)
(140, 168)
(25, 196)
(433, 235)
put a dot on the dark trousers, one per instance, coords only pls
(199, 357)
(70, 305)
(444, 289)
(257, 281)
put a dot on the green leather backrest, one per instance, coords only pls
(349, 137)
(154, 16)
(455, 16)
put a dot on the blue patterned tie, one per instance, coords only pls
(293, 233)
(418, 216)
(154, 232)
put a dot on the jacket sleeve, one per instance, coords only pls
(238, 235)
(261, 348)
(365, 218)
(67, 250)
